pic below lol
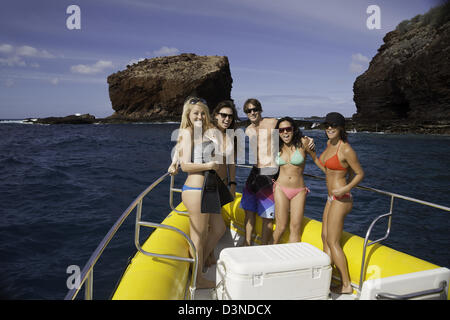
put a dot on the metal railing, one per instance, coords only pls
(369, 231)
(194, 260)
(388, 230)
(388, 215)
(86, 277)
(172, 190)
(389, 296)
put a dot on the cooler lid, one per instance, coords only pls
(273, 258)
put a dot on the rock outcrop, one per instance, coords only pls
(155, 89)
(71, 119)
(408, 79)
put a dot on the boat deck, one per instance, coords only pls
(232, 239)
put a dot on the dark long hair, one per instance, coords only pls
(225, 104)
(297, 138)
(343, 134)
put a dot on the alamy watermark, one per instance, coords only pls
(73, 22)
(263, 145)
(74, 280)
(374, 20)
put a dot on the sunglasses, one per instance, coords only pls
(255, 110)
(196, 100)
(286, 129)
(226, 115)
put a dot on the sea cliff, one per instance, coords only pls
(406, 87)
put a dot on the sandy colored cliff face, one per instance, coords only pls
(155, 89)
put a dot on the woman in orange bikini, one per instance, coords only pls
(289, 189)
(338, 162)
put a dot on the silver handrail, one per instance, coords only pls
(388, 215)
(366, 240)
(194, 261)
(172, 189)
(387, 193)
(87, 272)
(391, 296)
(86, 277)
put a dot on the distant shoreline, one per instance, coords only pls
(305, 123)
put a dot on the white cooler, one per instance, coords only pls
(273, 272)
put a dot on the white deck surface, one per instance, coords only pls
(231, 239)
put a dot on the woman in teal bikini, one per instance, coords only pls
(289, 189)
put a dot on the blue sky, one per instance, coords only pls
(299, 58)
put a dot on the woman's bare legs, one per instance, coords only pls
(250, 219)
(266, 230)
(337, 211)
(198, 231)
(216, 231)
(297, 210)
(326, 249)
(281, 214)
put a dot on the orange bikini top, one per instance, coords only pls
(333, 163)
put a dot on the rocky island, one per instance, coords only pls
(155, 89)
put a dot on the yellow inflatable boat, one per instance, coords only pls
(163, 269)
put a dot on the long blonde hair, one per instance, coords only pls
(186, 122)
(187, 108)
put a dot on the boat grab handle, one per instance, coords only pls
(194, 260)
(367, 243)
(222, 282)
(391, 296)
(156, 225)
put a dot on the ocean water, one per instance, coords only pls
(63, 187)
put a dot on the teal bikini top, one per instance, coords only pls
(296, 159)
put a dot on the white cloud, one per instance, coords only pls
(134, 61)
(14, 56)
(359, 63)
(13, 61)
(360, 58)
(28, 51)
(97, 67)
(356, 67)
(166, 51)
(6, 48)
(54, 81)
